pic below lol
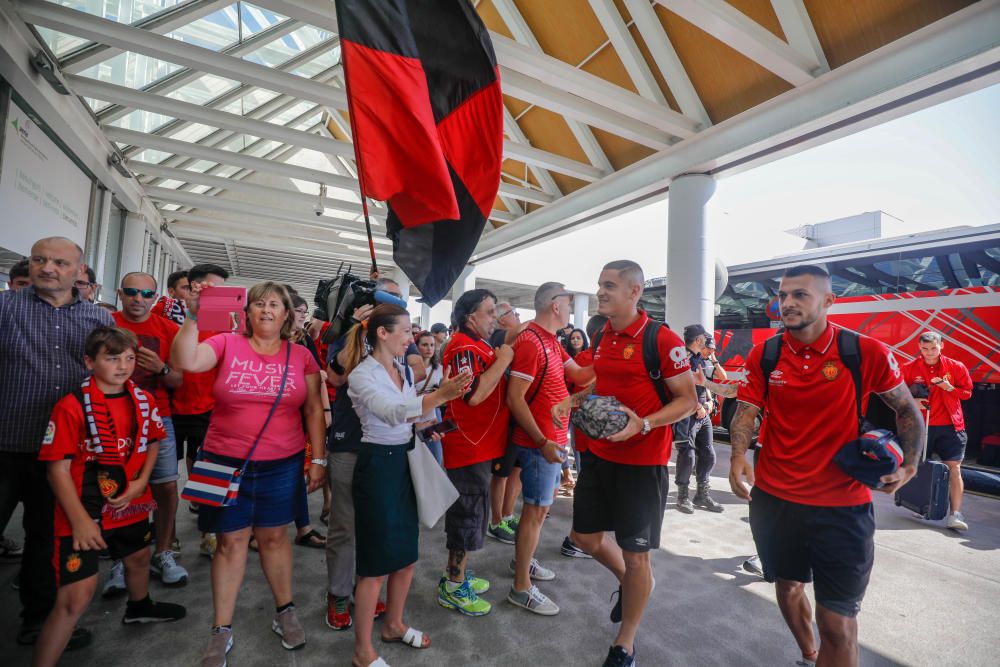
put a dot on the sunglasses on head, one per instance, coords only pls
(133, 291)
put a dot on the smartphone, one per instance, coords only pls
(223, 309)
(446, 426)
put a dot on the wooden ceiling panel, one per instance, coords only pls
(849, 30)
(492, 18)
(565, 29)
(607, 65)
(763, 14)
(657, 74)
(621, 152)
(548, 131)
(727, 81)
(515, 106)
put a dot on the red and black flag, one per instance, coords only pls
(427, 117)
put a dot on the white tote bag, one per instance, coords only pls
(435, 492)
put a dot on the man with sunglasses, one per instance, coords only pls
(43, 328)
(86, 285)
(153, 374)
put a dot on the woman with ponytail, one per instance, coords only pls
(385, 506)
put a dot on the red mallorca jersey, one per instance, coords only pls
(540, 359)
(946, 406)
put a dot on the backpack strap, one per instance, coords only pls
(545, 367)
(769, 360)
(849, 350)
(651, 358)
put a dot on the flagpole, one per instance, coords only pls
(357, 160)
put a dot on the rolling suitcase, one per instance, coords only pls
(927, 493)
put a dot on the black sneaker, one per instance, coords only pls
(80, 638)
(152, 612)
(570, 550)
(619, 657)
(616, 611)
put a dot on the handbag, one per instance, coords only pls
(435, 492)
(217, 484)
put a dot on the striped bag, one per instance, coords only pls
(216, 484)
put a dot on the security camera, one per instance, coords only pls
(319, 208)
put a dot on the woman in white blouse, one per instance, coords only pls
(427, 347)
(385, 506)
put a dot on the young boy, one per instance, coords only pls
(101, 445)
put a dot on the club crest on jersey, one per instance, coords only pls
(50, 434)
(628, 351)
(830, 371)
(107, 485)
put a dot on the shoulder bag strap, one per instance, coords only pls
(545, 367)
(274, 406)
(769, 361)
(651, 358)
(850, 353)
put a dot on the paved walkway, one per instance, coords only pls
(933, 601)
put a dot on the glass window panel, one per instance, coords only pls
(200, 189)
(142, 121)
(226, 171)
(293, 112)
(278, 51)
(203, 89)
(60, 42)
(250, 101)
(131, 69)
(215, 31)
(96, 105)
(193, 132)
(172, 184)
(200, 165)
(256, 19)
(263, 148)
(318, 64)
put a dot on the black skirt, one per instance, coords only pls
(385, 510)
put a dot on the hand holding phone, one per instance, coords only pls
(446, 426)
(222, 309)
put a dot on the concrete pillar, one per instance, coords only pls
(581, 309)
(425, 317)
(104, 227)
(466, 281)
(133, 244)
(404, 288)
(690, 253)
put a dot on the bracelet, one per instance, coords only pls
(188, 315)
(319, 462)
(327, 410)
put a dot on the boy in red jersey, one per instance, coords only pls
(101, 445)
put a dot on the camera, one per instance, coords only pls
(318, 210)
(336, 300)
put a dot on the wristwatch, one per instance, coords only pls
(319, 462)
(646, 427)
(165, 370)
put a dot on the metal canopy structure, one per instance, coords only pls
(232, 115)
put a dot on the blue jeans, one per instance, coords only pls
(539, 478)
(165, 468)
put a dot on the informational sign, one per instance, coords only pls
(42, 192)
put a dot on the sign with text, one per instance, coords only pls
(42, 192)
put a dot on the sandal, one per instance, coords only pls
(411, 637)
(379, 662)
(324, 516)
(312, 539)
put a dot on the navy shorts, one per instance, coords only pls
(946, 442)
(833, 547)
(269, 494)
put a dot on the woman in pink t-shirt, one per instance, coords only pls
(250, 368)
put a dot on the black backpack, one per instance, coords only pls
(650, 356)
(850, 353)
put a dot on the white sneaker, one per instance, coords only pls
(166, 568)
(957, 522)
(115, 585)
(536, 571)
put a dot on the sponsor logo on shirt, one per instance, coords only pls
(830, 371)
(776, 379)
(893, 365)
(679, 356)
(50, 434)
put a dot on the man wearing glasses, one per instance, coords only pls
(153, 374)
(87, 287)
(43, 328)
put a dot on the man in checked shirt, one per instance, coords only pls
(43, 328)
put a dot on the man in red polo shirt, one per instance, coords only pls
(537, 384)
(482, 418)
(810, 520)
(623, 480)
(943, 383)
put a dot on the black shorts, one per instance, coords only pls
(190, 429)
(946, 442)
(467, 519)
(72, 566)
(504, 465)
(627, 499)
(833, 547)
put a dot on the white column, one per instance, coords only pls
(425, 317)
(466, 281)
(690, 253)
(133, 244)
(404, 288)
(104, 227)
(581, 309)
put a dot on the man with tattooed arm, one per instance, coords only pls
(810, 520)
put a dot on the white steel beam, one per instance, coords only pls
(197, 113)
(627, 50)
(73, 22)
(517, 134)
(500, 216)
(160, 23)
(799, 31)
(535, 156)
(730, 26)
(950, 57)
(277, 195)
(518, 27)
(525, 194)
(236, 229)
(320, 13)
(271, 242)
(189, 149)
(533, 91)
(181, 78)
(666, 59)
(564, 77)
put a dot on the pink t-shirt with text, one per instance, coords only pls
(245, 389)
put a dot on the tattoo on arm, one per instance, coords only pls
(724, 390)
(741, 428)
(909, 423)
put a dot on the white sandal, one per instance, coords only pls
(412, 637)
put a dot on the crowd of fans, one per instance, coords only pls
(100, 408)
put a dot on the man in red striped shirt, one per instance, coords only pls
(943, 383)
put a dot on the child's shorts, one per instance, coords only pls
(72, 566)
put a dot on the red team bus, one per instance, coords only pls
(890, 289)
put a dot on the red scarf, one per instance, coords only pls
(104, 438)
